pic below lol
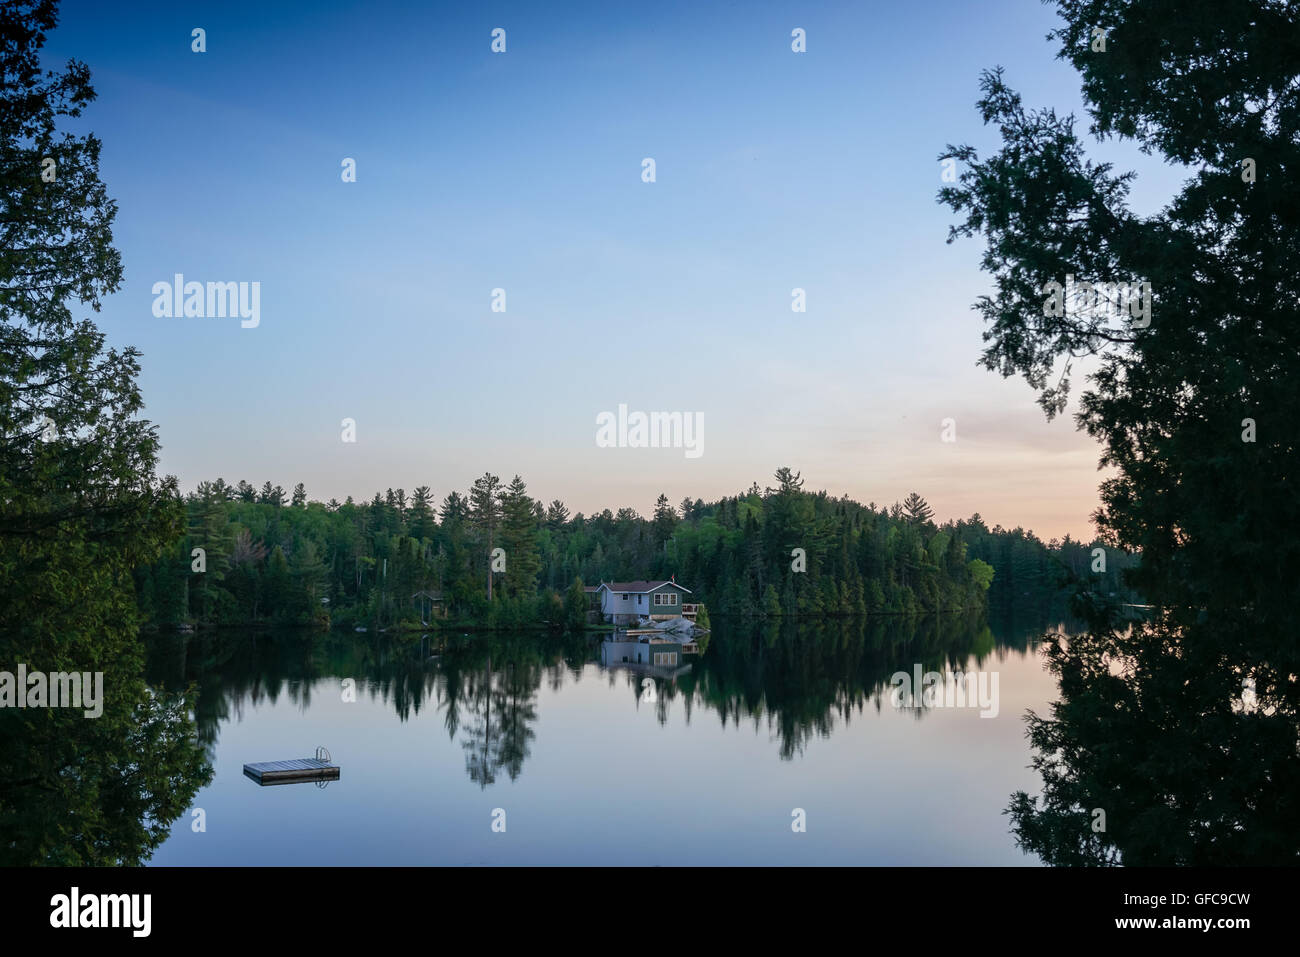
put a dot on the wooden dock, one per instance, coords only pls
(292, 771)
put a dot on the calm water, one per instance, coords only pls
(596, 765)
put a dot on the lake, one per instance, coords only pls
(525, 749)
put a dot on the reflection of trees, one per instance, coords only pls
(234, 670)
(501, 708)
(97, 791)
(482, 739)
(800, 678)
(489, 690)
(486, 687)
(797, 679)
(1155, 727)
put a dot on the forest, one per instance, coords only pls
(1186, 721)
(264, 556)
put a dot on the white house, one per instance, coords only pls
(625, 603)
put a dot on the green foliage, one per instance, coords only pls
(1153, 725)
(771, 603)
(520, 528)
(575, 606)
(981, 573)
(702, 616)
(80, 503)
(271, 563)
(917, 510)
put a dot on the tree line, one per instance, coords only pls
(248, 555)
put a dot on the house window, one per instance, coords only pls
(638, 599)
(666, 658)
(625, 597)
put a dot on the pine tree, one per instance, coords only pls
(420, 521)
(210, 530)
(485, 515)
(519, 538)
(557, 513)
(665, 520)
(917, 510)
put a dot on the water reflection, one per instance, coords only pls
(798, 679)
(1171, 743)
(1184, 767)
(101, 791)
(109, 791)
(485, 687)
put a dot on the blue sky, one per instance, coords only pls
(522, 171)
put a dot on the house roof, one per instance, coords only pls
(640, 588)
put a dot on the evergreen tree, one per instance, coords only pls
(556, 515)
(420, 520)
(485, 514)
(1191, 393)
(519, 538)
(80, 503)
(279, 598)
(917, 510)
(665, 521)
(307, 574)
(209, 529)
(575, 606)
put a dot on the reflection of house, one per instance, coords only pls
(658, 656)
(626, 603)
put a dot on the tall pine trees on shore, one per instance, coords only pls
(780, 551)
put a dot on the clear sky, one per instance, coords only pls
(523, 171)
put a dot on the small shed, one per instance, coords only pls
(430, 605)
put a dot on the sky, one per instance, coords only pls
(523, 171)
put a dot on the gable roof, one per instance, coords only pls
(641, 587)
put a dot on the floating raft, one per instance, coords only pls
(292, 771)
